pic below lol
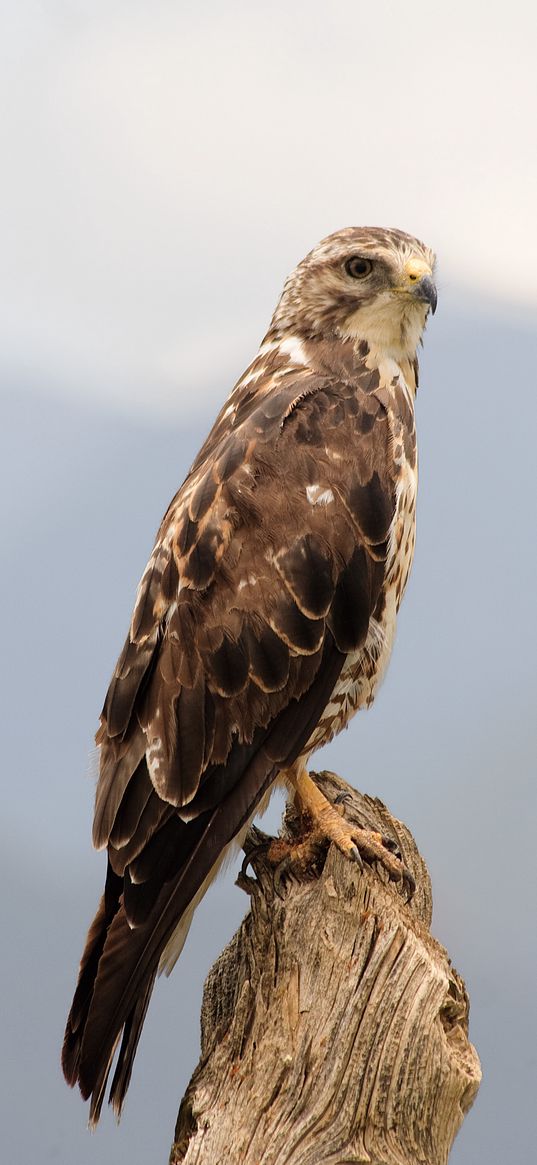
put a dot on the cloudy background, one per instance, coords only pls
(163, 166)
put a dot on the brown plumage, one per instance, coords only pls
(264, 618)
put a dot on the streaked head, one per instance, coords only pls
(365, 283)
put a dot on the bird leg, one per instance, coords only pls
(327, 823)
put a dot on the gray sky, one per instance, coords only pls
(163, 169)
(168, 163)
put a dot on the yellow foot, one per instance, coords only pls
(353, 841)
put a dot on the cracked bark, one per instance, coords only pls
(334, 1028)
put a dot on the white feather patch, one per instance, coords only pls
(317, 495)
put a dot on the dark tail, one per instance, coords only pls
(137, 916)
(120, 961)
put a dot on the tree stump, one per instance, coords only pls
(334, 1028)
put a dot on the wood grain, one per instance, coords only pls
(334, 1028)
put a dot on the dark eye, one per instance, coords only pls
(357, 267)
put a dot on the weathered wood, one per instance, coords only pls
(334, 1028)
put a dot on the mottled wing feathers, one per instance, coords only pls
(266, 571)
(257, 571)
(126, 940)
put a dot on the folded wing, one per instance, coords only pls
(266, 571)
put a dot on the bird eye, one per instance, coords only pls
(357, 267)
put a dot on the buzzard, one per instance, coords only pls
(264, 619)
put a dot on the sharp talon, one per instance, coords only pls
(277, 877)
(260, 848)
(410, 882)
(341, 798)
(243, 880)
(356, 856)
(390, 844)
(244, 867)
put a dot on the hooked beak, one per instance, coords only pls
(426, 290)
(419, 282)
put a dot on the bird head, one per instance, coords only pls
(362, 283)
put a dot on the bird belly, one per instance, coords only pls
(403, 533)
(360, 677)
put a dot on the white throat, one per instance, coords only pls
(391, 329)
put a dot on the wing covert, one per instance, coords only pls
(244, 583)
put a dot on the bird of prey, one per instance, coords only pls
(264, 619)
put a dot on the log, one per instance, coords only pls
(334, 1027)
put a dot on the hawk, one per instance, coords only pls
(264, 619)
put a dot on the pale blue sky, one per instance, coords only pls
(163, 169)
